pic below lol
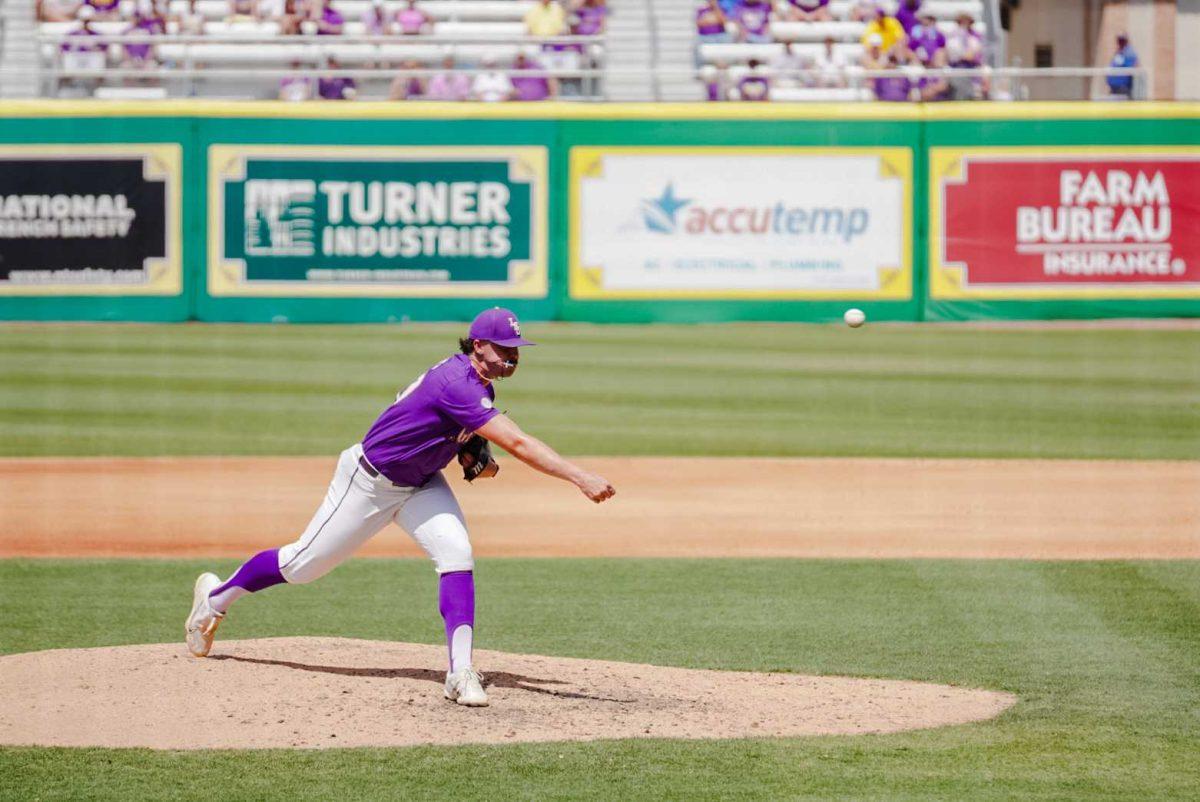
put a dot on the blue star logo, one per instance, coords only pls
(659, 213)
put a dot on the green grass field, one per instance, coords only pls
(760, 389)
(1105, 657)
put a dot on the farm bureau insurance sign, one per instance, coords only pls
(90, 220)
(1065, 223)
(377, 221)
(733, 222)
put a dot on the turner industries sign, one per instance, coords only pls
(1065, 223)
(378, 221)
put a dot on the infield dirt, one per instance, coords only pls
(665, 507)
(337, 692)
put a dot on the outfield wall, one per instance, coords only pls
(366, 212)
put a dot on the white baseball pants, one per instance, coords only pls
(357, 506)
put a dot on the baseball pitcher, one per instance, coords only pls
(395, 475)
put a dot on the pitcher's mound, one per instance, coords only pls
(327, 692)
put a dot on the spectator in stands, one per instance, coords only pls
(754, 21)
(964, 47)
(145, 23)
(326, 18)
(908, 15)
(290, 18)
(492, 85)
(295, 88)
(407, 87)
(336, 87)
(809, 11)
(710, 23)
(889, 31)
(547, 18)
(964, 50)
(449, 84)
(375, 20)
(713, 76)
(894, 87)
(104, 9)
(242, 11)
(187, 21)
(831, 65)
(412, 21)
(927, 47)
(1121, 86)
(863, 11)
(754, 85)
(56, 10)
(532, 87)
(81, 51)
(787, 65)
(590, 18)
(926, 41)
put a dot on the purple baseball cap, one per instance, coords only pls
(498, 325)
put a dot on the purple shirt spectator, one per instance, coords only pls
(374, 21)
(449, 86)
(908, 15)
(416, 436)
(148, 26)
(754, 87)
(411, 20)
(893, 87)
(755, 19)
(591, 20)
(336, 88)
(708, 22)
(925, 41)
(80, 41)
(529, 87)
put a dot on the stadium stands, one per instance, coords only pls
(832, 59)
(229, 49)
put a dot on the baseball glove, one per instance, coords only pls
(475, 457)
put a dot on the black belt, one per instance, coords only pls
(368, 467)
(374, 473)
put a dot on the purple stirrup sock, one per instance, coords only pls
(258, 573)
(456, 600)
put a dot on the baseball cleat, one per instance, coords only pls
(201, 626)
(466, 688)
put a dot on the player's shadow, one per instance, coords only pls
(498, 679)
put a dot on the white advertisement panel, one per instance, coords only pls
(729, 222)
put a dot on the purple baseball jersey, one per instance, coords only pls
(415, 437)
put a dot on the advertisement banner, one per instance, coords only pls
(740, 222)
(1066, 222)
(90, 220)
(325, 221)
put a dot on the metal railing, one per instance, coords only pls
(180, 60)
(183, 69)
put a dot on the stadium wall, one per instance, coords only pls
(184, 210)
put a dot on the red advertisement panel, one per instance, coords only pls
(1096, 220)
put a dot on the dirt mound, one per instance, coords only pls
(337, 692)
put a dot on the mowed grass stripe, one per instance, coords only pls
(1100, 653)
(761, 389)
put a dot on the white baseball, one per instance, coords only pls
(854, 318)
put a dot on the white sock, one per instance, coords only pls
(460, 648)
